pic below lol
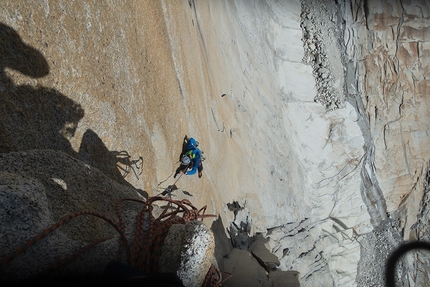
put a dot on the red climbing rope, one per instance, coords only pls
(47, 231)
(214, 277)
(149, 235)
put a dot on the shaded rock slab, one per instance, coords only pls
(37, 188)
(245, 269)
(259, 250)
(284, 279)
(223, 245)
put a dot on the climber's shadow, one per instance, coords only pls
(43, 118)
(114, 164)
(32, 117)
(126, 164)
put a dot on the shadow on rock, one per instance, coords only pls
(17, 55)
(223, 245)
(32, 118)
(114, 164)
(43, 118)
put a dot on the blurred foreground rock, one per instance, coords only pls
(188, 251)
(38, 187)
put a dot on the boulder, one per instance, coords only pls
(37, 189)
(188, 251)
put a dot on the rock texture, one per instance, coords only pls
(391, 82)
(387, 166)
(188, 251)
(284, 279)
(38, 188)
(246, 270)
(313, 116)
(259, 250)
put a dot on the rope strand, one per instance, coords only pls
(145, 252)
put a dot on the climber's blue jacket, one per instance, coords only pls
(194, 153)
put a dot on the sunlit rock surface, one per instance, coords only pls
(321, 136)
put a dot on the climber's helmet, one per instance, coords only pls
(185, 160)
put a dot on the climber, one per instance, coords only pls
(191, 158)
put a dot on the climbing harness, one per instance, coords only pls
(149, 234)
(191, 154)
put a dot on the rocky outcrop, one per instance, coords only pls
(371, 49)
(41, 187)
(250, 262)
(259, 250)
(386, 70)
(38, 188)
(359, 195)
(248, 269)
(321, 52)
(188, 251)
(421, 231)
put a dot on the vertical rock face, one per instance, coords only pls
(420, 231)
(387, 67)
(387, 78)
(382, 49)
(313, 115)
